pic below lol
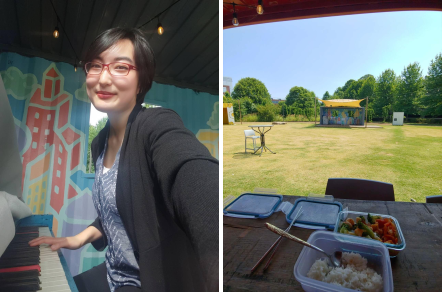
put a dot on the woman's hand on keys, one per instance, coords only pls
(72, 242)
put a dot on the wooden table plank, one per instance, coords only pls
(417, 268)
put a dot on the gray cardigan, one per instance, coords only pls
(167, 196)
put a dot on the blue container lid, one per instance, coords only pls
(255, 205)
(315, 213)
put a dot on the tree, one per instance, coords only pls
(300, 97)
(326, 96)
(385, 91)
(367, 89)
(365, 77)
(284, 109)
(410, 90)
(236, 108)
(347, 85)
(432, 101)
(266, 113)
(227, 98)
(249, 106)
(252, 88)
(338, 94)
(93, 132)
(351, 92)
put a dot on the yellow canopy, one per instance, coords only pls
(342, 102)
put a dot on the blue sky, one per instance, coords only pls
(321, 54)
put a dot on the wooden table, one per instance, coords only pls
(417, 268)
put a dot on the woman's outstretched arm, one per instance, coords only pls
(189, 175)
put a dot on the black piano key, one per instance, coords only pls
(18, 263)
(19, 280)
(20, 247)
(24, 238)
(26, 229)
(20, 274)
(25, 286)
(22, 254)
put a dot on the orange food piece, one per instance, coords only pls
(358, 232)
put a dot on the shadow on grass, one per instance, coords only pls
(427, 125)
(313, 126)
(243, 155)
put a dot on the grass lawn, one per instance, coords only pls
(409, 157)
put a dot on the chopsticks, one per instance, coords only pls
(276, 244)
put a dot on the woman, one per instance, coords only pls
(156, 185)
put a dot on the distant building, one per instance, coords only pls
(276, 101)
(227, 84)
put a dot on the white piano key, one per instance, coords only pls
(59, 288)
(52, 283)
(52, 275)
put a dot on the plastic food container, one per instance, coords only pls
(253, 205)
(315, 213)
(374, 251)
(393, 249)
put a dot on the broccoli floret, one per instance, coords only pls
(366, 229)
(346, 226)
(343, 230)
(371, 219)
(362, 218)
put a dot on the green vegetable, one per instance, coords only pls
(346, 226)
(370, 219)
(362, 218)
(366, 229)
(343, 229)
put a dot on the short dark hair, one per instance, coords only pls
(143, 54)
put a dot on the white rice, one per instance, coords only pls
(353, 274)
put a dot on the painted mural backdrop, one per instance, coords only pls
(342, 116)
(51, 113)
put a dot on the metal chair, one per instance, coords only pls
(250, 134)
(359, 189)
(434, 199)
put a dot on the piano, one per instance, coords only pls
(25, 269)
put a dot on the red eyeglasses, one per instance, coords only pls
(115, 69)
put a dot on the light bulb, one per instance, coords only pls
(259, 9)
(75, 67)
(160, 29)
(235, 21)
(56, 34)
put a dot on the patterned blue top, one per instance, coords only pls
(122, 267)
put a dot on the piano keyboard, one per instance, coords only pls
(25, 268)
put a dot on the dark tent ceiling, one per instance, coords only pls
(280, 10)
(187, 54)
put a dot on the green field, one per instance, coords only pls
(409, 157)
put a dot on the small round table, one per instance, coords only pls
(262, 133)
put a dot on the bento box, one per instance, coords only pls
(374, 251)
(393, 249)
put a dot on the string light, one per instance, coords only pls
(56, 33)
(259, 8)
(235, 21)
(75, 66)
(160, 28)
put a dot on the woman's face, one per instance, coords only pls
(113, 94)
